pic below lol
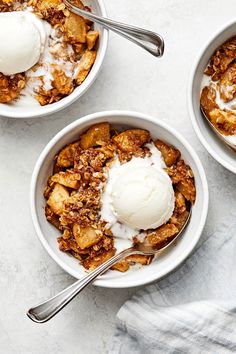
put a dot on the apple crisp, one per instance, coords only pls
(218, 96)
(68, 57)
(73, 193)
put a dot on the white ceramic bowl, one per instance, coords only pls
(208, 138)
(166, 263)
(39, 111)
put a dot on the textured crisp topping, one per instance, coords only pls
(73, 193)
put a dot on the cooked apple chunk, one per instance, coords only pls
(139, 258)
(221, 59)
(75, 29)
(91, 37)
(132, 139)
(53, 11)
(121, 266)
(179, 219)
(87, 61)
(162, 235)
(169, 153)
(224, 121)
(69, 179)
(57, 197)
(227, 84)
(180, 205)
(61, 83)
(11, 87)
(187, 189)
(92, 263)
(98, 134)
(182, 176)
(208, 100)
(86, 236)
(65, 157)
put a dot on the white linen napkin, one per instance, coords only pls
(191, 311)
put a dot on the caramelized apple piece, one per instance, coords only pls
(162, 235)
(131, 140)
(75, 29)
(121, 266)
(93, 262)
(182, 176)
(11, 87)
(79, 48)
(65, 157)
(69, 244)
(179, 219)
(62, 83)
(48, 4)
(91, 37)
(224, 121)
(180, 205)
(227, 84)
(208, 99)
(48, 189)
(57, 197)
(86, 236)
(86, 62)
(98, 134)
(139, 258)
(54, 11)
(187, 188)
(169, 153)
(222, 58)
(69, 179)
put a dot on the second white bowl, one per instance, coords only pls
(220, 152)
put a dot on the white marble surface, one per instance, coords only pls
(130, 79)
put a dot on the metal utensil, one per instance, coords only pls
(220, 136)
(150, 41)
(49, 308)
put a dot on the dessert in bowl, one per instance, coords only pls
(219, 90)
(48, 56)
(94, 202)
(211, 89)
(113, 188)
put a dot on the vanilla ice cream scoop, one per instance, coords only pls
(142, 197)
(22, 40)
(138, 196)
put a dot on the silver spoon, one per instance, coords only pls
(150, 41)
(220, 136)
(49, 308)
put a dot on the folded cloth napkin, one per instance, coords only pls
(191, 311)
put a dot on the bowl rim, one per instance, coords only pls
(111, 283)
(193, 117)
(77, 93)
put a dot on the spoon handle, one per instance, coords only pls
(49, 308)
(148, 40)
